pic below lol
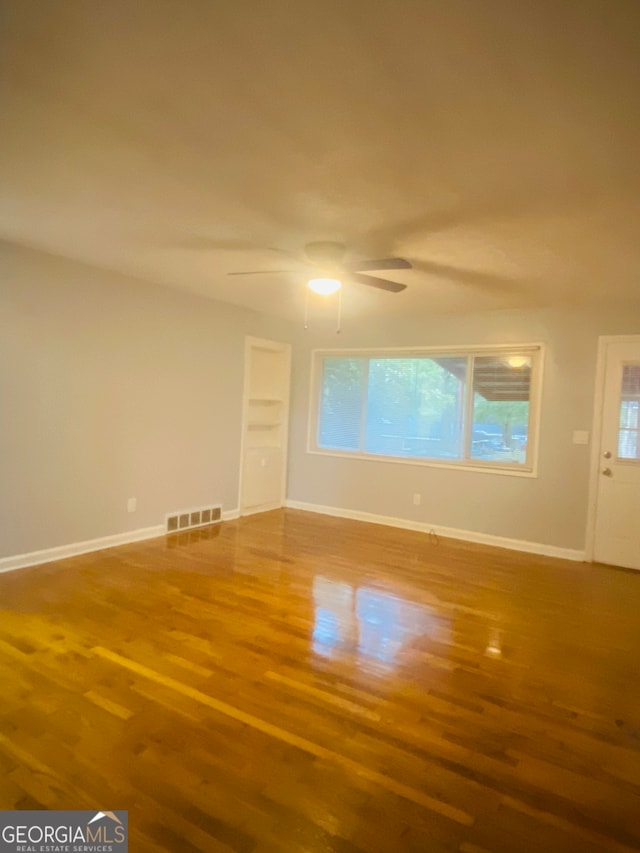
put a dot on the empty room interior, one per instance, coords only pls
(320, 430)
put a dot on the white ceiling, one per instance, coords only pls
(493, 143)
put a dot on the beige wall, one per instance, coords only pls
(111, 388)
(550, 509)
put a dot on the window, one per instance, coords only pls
(473, 408)
(629, 424)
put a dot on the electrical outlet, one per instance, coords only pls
(131, 505)
(417, 498)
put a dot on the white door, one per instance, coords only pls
(617, 518)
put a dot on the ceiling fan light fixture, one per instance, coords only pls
(324, 286)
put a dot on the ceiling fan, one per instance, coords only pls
(327, 269)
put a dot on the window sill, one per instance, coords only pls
(452, 465)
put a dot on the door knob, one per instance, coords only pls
(607, 472)
(607, 454)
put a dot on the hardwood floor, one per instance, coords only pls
(294, 682)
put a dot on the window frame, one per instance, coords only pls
(513, 469)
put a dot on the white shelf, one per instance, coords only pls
(266, 415)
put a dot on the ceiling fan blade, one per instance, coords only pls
(472, 278)
(259, 272)
(380, 283)
(381, 264)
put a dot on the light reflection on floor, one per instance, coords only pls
(366, 621)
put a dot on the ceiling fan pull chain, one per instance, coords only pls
(338, 330)
(306, 310)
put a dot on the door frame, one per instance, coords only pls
(250, 343)
(596, 434)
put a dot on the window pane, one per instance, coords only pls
(629, 414)
(631, 380)
(415, 407)
(629, 444)
(341, 403)
(501, 386)
(629, 432)
(419, 406)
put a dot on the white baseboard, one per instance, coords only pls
(48, 555)
(260, 509)
(35, 558)
(450, 532)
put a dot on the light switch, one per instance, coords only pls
(580, 436)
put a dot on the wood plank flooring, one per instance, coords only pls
(295, 682)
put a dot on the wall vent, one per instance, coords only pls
(187, 519)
